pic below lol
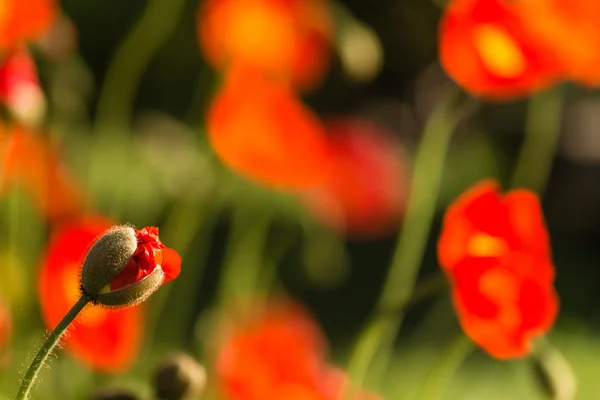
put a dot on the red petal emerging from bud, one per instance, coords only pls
(149, 255)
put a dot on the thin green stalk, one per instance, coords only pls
(122, 79)
(381, 329)
(184, 224)
(51, 341)
(542, 131)
(149, 34)
(241, 270)
(445, 367)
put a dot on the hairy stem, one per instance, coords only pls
(51, 341)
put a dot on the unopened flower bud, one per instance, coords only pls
(107, 257)
(178, 377)
(125, 266)
(106, 393)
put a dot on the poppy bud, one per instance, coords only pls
(107, 257)
(125, 266)
(178, 377)
(108, 393)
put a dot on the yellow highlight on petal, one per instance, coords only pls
(498, 51)
(482, 245)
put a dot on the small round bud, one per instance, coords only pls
(108, 393)
(106, 259)
(134, 293)
(178, 377)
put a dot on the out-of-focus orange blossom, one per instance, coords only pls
(571, 26)
(277, 352)
(103, 339)
(5, 331)
(20, 88)
(366, 192)
(489, 48)
(286, 38)
(22, 21)
(260, 130)
(496, 252)
(30, 161)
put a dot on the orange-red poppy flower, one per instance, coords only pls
(495, 250)
(285, 38)
(489, 48)
(20, 88)
(571, 26)
(5, 331)
(366, 193)
(22, 21)
(276, 351)
(103, 339)
(149, 255)
(28, 160)
(261, 131)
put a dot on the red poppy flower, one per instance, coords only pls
(495, 250)
(286, 38)
(101, 338)
(22, 21)
(278, 349)
(5, 331)
(260, 130)
(490, 49)
(366, 193)
(571, 26)
(149, 255)
(20, 88)
(27, 160)
(277, 352)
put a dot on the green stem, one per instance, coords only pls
(542, 131)
(245, 249)
(381, 330)
(446, 366)
(49, 345)
(188, 221)
(150, 33)
(122, 79)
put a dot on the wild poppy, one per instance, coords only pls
(495, 250)
(22, 21)
(260, 130)
(276, 351)
(284, 38)
(571, 27)
(489, 48)
(101, 338)
(20, 88)
(5, 331)
(30, 161)
(366, 192)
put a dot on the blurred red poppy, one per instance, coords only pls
(490, 49)
(366, 192)
(571, 26)
(277, 352)
(103, 339)
(260, 130)
(22, 21)
(149, 254)
(286, 38)
(495, 250)
(28, 160)
(20, 88)
(5, 332)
